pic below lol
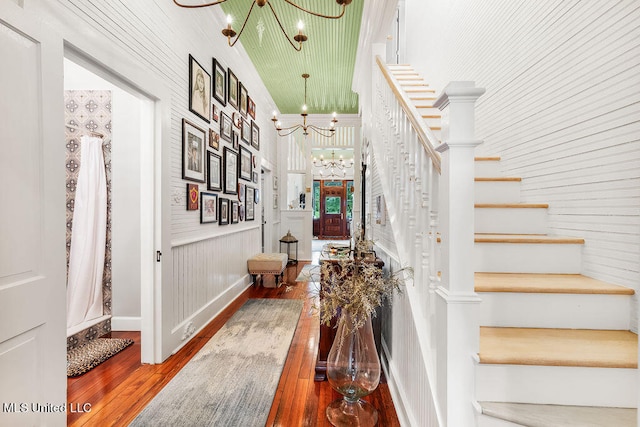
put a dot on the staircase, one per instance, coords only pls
(555, 346)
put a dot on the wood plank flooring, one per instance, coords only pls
(121, 387)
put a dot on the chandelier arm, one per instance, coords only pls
(316, 13)
(290, 130)
(299, 48)
(321, 131)
(193, 6)
(244, 24)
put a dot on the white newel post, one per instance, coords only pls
(457, 303)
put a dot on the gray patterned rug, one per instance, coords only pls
(232, 380)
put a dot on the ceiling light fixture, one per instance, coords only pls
(300, 38)
(332, 165)
(326, 132)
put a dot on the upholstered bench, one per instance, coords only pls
(262, 264)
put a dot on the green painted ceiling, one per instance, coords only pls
(328, 55)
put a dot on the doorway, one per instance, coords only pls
(126, 119)
(332, 208)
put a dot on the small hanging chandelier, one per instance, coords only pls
(326, 132)
(333, 166)
(299, 38)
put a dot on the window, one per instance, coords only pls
(332, 205)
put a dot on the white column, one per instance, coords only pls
(457, 302)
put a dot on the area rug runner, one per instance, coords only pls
(88, 356)
(232, 380)
(309, 273)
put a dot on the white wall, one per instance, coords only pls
(561, 108)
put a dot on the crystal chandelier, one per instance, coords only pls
(326, 132)
(299, 38)
(334, 167)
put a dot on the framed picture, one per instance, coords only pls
(226, 127)
(275, 201)
(214, 139)
(199, 90)
(223, 210)
(246, 131)
(250, 210)
(193, 142)
(244, 98)
(241, 192)
(241, 212)
(214, 172)
(208, 207)
(251, 107)
(236, 139)
(232, 83)
(275, 182)
(256, 194)
(230, 171)
(219, 83)
(234, 212)
(245, 164)
(192, 197)
(255, 135)
(214, 112)
(255, 177)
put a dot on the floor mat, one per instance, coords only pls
(84, 358)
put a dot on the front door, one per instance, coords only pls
(32, 222)
(333, 210)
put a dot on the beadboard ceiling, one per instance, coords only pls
(328, 55)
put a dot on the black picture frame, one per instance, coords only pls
(244, 98)
(214, 139)
(219, 82)
(230, 171)
(232, 89)
(245, 170)
(251, 107)
(214, 172)
(223, 211)
(245, 131)
(250, 206)
(255, 136)
(193, 148)
(234, 212)
(208, 207)
(199, 90)
(236, 139)
(226, 127)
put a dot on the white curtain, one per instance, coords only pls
(88, 236)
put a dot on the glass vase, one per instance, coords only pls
(353, 370)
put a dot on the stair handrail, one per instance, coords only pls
(424, 134)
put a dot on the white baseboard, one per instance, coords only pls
(122, 323)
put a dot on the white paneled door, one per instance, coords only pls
(32, 223)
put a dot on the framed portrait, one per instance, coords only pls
(230, 171)
(255, 135)
(236, 139)
(199, 90)
(192, 197)
(193, 143)
(214, 112)
(232, 92)
(226, 127)
(251, 107)
(208, 207)
(214, 172)
(223, 211)
(241, 192)
(214, 139)
(245, 131)
(244, 100)
(250, 209)
(234, 212)
(246, 170)
(241, 212)
(219, 83)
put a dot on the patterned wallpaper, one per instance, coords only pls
(89, 111)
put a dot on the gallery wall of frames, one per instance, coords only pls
(219, 160)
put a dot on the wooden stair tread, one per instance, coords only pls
(559, 347)
(413, 83)
(431, 116)
(498, 179)
(530, 414)
(419, 90)
(488, 159)
(546, 283)
(511, 205)
(527, 238)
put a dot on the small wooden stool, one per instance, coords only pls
(273, 263)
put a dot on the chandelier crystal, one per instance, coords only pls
(326, 132)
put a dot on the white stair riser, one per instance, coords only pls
(511, 220)
(557, 385)
(571, 311)
(487, 168)
(527, 258)
(497, 192)
(489, 421)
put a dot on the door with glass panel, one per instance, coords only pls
(333, 210)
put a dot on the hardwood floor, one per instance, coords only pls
(121, 387)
